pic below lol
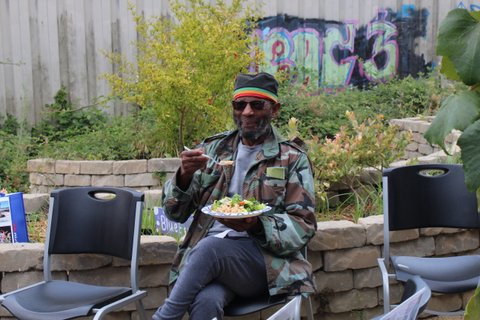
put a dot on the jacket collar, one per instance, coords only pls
(270, 147)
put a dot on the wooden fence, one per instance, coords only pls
(46, 44)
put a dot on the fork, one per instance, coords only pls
(206, 155)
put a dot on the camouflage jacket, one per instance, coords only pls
(281, 176)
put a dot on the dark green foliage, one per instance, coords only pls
(459, 46)
(86, 133)
(14, 153)
(323, 114)
(122, 138)
(10, 125)
(61, 121)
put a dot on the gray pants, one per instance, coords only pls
(216, 271)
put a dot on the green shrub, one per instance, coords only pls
(323, 114)
(14, 153)
(10, 125)
(342, 159)
(62, 121)
(122, 138)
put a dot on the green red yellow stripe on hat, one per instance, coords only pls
(254, 92)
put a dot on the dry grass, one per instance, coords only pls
(37, 226)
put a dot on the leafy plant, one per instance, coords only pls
(342, 159)
(186, 66)
(15, 145)
(122, 138)
(459, 46)
(37, 226)
(10, 125)
(322, 113)
(62, 121)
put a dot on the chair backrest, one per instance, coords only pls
(416, 295)
(429, 195)
(94, 220)
(407, 310)
(290, 311)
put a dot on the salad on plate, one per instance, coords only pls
(235, 206)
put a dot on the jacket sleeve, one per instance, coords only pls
(288, 228)
(178, 204)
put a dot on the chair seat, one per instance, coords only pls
(444, 275)
(61, 300)
(244, 306)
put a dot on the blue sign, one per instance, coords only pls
(13, 226)
(169, 227)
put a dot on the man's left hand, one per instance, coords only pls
(246, 224)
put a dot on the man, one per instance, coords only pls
(220, 259)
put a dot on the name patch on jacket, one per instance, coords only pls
(276, 172)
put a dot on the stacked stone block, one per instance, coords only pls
(419, 147)
(343, 255)
(49, 174)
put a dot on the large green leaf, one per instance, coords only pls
(458, 111)
(469, 142)
(472, 311)
(459, 40)
(448, 69)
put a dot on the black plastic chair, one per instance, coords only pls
(97, 220)
(245, 306)
(430, 195)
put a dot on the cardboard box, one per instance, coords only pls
(13, 226)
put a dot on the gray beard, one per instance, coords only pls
(255, 135)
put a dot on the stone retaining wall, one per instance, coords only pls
(420, 147)
(49, 174)
(343, 254)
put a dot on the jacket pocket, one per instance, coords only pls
(274, 189)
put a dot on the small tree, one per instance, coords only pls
(459, 46)
(185, 67)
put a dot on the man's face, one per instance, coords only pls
(252, 117)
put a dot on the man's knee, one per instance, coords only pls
(210, 301)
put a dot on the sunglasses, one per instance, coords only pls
(255, 105)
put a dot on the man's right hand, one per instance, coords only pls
(192, 160)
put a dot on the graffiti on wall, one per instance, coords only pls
(471, 7)
(335, 55)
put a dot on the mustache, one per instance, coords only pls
(262, 128)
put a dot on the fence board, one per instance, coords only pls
(3, 57)
(24, 83)
(49, 43)
(51, 55)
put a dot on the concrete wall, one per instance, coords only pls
(343, 255)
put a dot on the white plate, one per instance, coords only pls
(239, 215)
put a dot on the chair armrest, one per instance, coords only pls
(386, 285)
